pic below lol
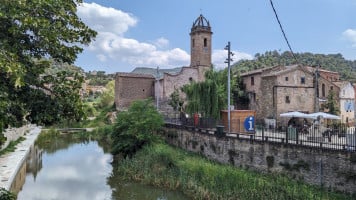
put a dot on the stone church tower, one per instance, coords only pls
(143, 83)
(200, 46)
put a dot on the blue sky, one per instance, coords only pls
(155, 33)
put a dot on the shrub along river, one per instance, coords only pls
(73, 167)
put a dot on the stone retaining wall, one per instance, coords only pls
(331, 169)
(12, 163)
(13, 134)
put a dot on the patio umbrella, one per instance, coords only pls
(294, 114)
(324, 115)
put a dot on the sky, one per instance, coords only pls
(155, 33)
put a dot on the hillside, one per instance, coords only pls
(332, 62)
(58, 66)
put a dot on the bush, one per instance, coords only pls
(6, 195)
(136, 127)
(107, 97)
(2, 136)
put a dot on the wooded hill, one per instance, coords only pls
(332, 62)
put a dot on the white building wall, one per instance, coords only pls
(347, 103)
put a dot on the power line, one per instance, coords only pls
(284, 35)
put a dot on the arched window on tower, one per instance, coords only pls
(323, 90)
(193, 42)
(205, 42)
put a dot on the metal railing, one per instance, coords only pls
(335, 138)
(338, 137)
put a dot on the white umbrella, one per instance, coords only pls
(323, 115)
(294, 114)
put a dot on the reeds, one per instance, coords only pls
(168, 167)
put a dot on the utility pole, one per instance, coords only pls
(316, 89)
(157, 89)
(228, 60)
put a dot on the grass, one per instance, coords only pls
(12, 146)
(165, 166)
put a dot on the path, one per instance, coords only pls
(11, 162)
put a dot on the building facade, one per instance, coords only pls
(131, 86)
(158, 83)
(347, 102)
(281, 89)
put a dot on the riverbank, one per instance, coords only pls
(11, 162)
(172, 168)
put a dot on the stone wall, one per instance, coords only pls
(301, 99)
(200, 53)
(266, 98)
(285, 92)
(130, 87)
(12, 134)
(176, 81)
(331, 169)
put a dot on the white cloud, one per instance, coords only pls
(111, 45)
(104, 19)
(161, 42)
(350, 35)
(220, 56)
(101, 57)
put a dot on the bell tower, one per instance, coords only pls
(200, 43)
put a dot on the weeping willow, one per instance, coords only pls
(208, 97)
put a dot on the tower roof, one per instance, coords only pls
(201, 23)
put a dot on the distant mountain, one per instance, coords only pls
(332, 62)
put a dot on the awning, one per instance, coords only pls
(323, 115)
(295, 114)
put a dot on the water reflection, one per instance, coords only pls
(33, 164)
(70, 168)
(78, 173)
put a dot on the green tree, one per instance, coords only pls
(210, 96)
(240, 96)
(31, 34)
(331, 104)
(107, 97)
(38, 29)
(136, 127)
(59, 99)
(175, 101)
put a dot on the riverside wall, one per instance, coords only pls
(13, 170)
(13, 134)
(334, 170)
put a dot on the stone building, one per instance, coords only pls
(131, 86)
(347, 101)
(158, 83)
(280, 89)
(344, 93)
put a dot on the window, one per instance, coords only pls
(323, 90)
(287, 99)
(286, 78)
(252, 80)
(190, 79)
(331, 87)
(302, 80)
(205, 42)
(193, 42)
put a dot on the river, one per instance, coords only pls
(69, 168)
